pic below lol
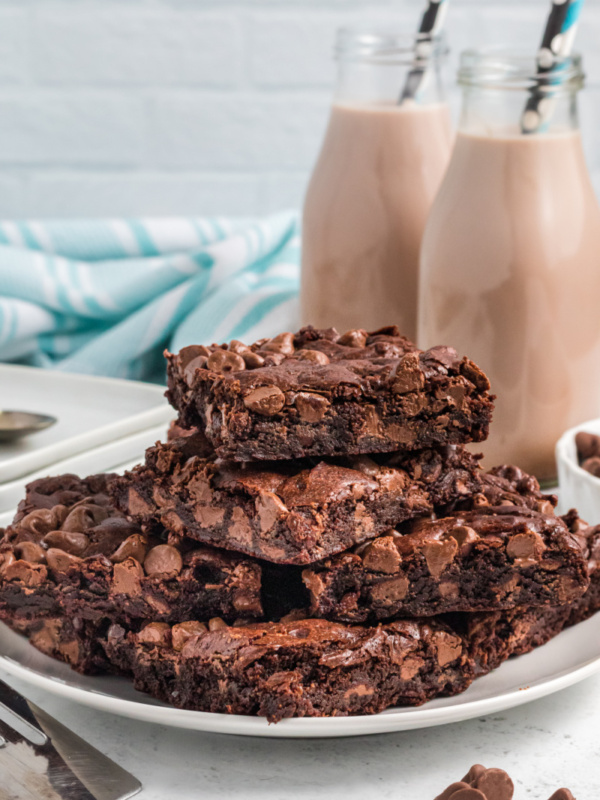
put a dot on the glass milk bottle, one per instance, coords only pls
(371, 190)
(510, 263)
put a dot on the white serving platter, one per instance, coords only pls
(91, 412)
(567, 659)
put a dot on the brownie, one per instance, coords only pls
(290, 512)
(316, 393)
(493, 637)
(73, 640)
(70, 551)
(294, 668)
(481, 560)
(507, 485)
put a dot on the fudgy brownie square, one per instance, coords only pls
(290, 512)
(293, 668)
(316, 393)
(70, 551)
(483, 560)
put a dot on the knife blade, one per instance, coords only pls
(41, 759)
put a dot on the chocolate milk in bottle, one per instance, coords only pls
(380, 167)
(510, 265)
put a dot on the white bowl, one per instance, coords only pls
(578, 489)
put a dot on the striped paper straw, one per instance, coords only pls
(431, 25)
(557, 42)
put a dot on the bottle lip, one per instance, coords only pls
(411, 49)
(505, 68)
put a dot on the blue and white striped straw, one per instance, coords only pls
(557, 43)
(432, 23)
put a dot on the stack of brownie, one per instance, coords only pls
(314, 540)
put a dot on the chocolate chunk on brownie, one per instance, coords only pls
(495, 636)
(70, 551)
(491, 558)
(316, 393)
(290, 512)
(293, 669)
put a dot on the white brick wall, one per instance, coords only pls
(200, 106)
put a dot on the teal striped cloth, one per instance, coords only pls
(106, 297)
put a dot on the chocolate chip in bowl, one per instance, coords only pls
(578, 461)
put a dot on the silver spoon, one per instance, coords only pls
(15, 424)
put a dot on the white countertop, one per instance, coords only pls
(543, 745)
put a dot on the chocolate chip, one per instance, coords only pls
(253, 360)
(59, 560)
(562, 794)
(283, 343)
(181, 633)
(83, 517)
(439, 555)
(474, 374)
(29, 574)
(225, 361)
(464, 536)
(193, 351)
(390, 591)
(270, 510)
(216, 624)
(163, 558)
(467, 794)
(127, 578)
(69, 541)
(6, 559)
(449, 792)
(156, 633)
(134, 546)
(316, 356)
(274, 359)
(266, 400)
(472, 775)
(43, 520)
(189, 373)
(446, 356)
(354, 338)
(408, 376)
(587, 444)
(449, 648)
(382, 556)
(525, 549)
(311, 407)
(30, 551)
(495, 784)
(235, 346)
(592, 465)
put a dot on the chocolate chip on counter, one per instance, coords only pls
(265, 400)
(467, 794)
(192, 352)
(30, 551)
(562, 794)
(163, 558)
(495, 784)
(354, 338)
(587, 444)
(311, 407)
(225, 361)
(253, 360)
(592, 465)
(316, 356)
(282, 343)
(29, 574)
(216, 624)
(184, 631)
(408, 376)
(472, 775)
(157, 633)
(454, 787)
(134, 546)
(69, 541)
(59, 560)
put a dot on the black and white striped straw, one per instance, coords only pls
(432, 23)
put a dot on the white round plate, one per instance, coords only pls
(567, 659)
